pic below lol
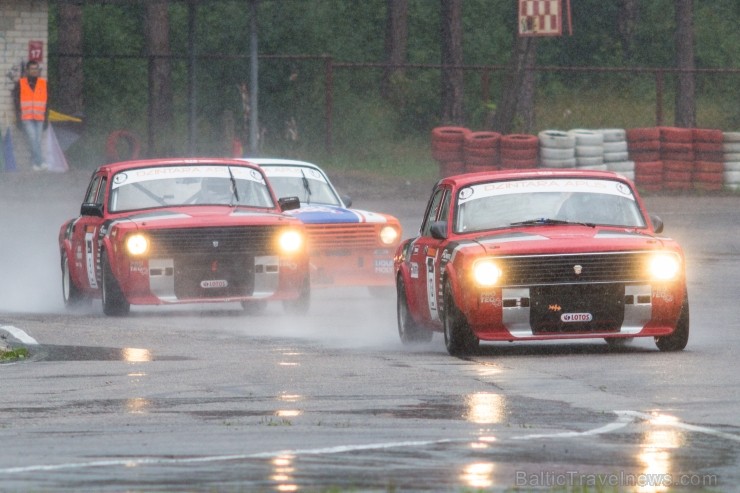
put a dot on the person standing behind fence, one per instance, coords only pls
(32, 110)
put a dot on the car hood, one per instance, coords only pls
(322, 214)
(570, 239)
(202, 217)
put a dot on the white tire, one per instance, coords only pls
(589, 151)
(616, 146)
(732, 177)
(559, 163)
(556, 139)
(731, 156)
(621, 166)
(731, 136)
(614, 134)
(587, 137)
(732, 165)
(557, 153)
(594, 167)
(731, 147)
(616, 156)
(582, 162)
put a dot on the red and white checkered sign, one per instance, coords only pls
(540, 18)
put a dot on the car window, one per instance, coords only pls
(432, 210)
(498, 205)
(147, 188)
(308, 184)
(92, 190)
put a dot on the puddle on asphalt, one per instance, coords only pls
(92, 353)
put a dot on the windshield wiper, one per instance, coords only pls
(306, 187)
(233, 186)
(548, 221)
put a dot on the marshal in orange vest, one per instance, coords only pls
(33, 101)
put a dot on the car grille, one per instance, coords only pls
(620, 267)
(255, 240)
(218, 254)
(328, 238)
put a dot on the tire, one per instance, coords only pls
(408, 331)
(72, 295)
(254, 307)
(114, 303)
(555, 139)
(589, 138)
(459, 339)
(680, 337)
(300, 305)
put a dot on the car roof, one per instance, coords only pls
(264, 161)
(524, 174)
(146, 163)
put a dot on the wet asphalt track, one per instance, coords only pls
(205, 399)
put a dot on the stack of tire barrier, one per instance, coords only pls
(481, 151)
(731, 158)
(616, 152)
(677, 153)
(519, 151)
(589, 149)
(557, 149)
(643, 145)
(448, 149)
(708, 159)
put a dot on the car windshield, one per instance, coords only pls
(308, 184)
(543, 201)
(169, 186)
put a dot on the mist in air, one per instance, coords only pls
(33, 206)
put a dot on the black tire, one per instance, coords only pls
(680, 337)
(300, 305)
(408, 330)
(459, 338)
(114, 303)
(72, 295)
(254, 307)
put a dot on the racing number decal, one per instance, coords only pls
(90, 258)
(431, 283)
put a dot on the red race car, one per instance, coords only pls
(169, 231)
(525, 255)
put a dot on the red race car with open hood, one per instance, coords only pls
(170, 231)
(527, 255)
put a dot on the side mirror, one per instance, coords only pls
(657, 223)
(289, 203)
(347, 200)
(89, 209)
(438, 230)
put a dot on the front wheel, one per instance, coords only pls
(408, 330)
(114, 303)
(680, 337)
(300, 305)
(72, 295)
(459, 338)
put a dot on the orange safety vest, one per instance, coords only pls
(33, 102)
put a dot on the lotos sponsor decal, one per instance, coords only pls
(576, 317)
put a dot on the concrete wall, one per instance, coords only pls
(21, 21)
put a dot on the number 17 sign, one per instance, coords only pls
(35, 51)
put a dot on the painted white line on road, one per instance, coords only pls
(219, 458)
(19, 334)
(679, 424)
(621, 422)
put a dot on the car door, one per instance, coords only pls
(85, 242)
(424, 258)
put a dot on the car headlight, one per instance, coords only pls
(137, 244)
(388, 235)
(290, 241)
(486, 272)
(664, 266)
